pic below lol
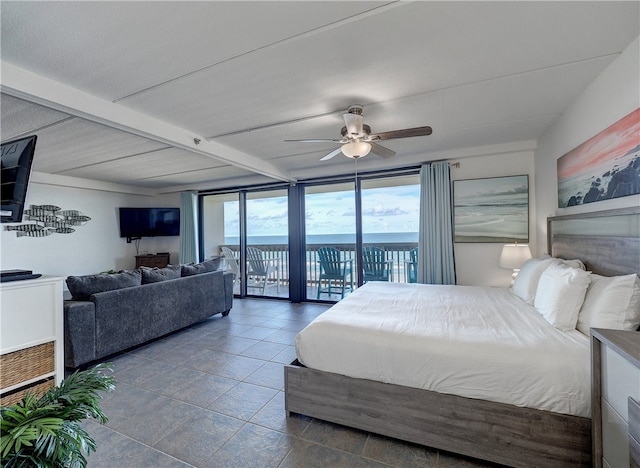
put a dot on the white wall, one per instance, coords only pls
(213, 225)
(614, 94)
(477, 264)
(92, 248)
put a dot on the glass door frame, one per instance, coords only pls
(357, 184)
(303, 238)
(242, 231)
(297, 229)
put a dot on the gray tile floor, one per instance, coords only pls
(212, 396)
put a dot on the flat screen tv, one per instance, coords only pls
(16, 157)
(149, 222)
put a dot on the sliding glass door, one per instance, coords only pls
(330, 239)
(340, 237)
(267, 252)
(220, 221)
(249, 230)
(390, 219)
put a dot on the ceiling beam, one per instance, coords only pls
(87, 184)
(38, 89)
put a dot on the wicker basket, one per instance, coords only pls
(37, 387)
(26, 364)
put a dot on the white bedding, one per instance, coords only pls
(477, 342)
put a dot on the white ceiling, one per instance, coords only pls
(117, 91)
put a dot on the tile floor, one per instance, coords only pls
(212, 396)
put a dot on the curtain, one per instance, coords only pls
(188, 228)
(436, 263)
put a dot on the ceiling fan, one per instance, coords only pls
(357, 140)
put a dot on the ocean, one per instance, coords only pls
(316, 239)
(492, 223)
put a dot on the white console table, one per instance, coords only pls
(31, 337)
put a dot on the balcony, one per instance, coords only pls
(397, 253)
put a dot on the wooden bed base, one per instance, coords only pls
(482, 429)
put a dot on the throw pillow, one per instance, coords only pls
(203, 267)
(81, 287)
(560, 295)
(155, 275)
(611, 302)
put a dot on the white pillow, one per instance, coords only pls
(560, 295)
(526, 283)
(611, 302)
(573, 263)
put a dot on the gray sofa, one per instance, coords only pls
(118, 318)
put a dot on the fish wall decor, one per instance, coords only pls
(25, 227)
(47, 220)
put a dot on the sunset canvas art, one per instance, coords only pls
(604, 167)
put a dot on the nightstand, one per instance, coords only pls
(615, 375)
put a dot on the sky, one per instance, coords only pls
(611, 143)
(385, 210)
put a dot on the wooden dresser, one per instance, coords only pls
(159, 260)
(31, 337)
(615, 359)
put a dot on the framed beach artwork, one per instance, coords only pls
(603, 167)
(492, 210)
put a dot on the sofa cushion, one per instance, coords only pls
(202, 267)
(155, 275)
(81, 287)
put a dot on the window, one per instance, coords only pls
(374, 231)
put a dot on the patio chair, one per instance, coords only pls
(411, 266)
(375, 265)
(260, 270)
(333, 269)
(232, 263)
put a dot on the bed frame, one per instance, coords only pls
(481, 429)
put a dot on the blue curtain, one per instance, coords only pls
(436, 263)
(188, 228)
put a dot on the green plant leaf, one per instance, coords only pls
(46, 431)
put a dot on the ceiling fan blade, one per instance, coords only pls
(405, 133)
(335, 152)
(354, 124)
(318, 140)
(381, 150)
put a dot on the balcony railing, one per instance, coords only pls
(398, 254)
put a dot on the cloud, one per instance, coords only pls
(519, 190)
(268, 217)
(382, 211)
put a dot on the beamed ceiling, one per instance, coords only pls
(171, 96)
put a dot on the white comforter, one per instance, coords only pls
(477, 342)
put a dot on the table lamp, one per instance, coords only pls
(513, 257)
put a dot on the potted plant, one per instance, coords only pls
(46, 431)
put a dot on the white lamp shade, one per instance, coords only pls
(513, 256)
(356, 149)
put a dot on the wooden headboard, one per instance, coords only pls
(608, 242)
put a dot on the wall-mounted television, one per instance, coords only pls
(149, 222)
(16, 157)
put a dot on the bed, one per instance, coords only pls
(490, 418)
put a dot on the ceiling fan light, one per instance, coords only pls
(356, 149)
